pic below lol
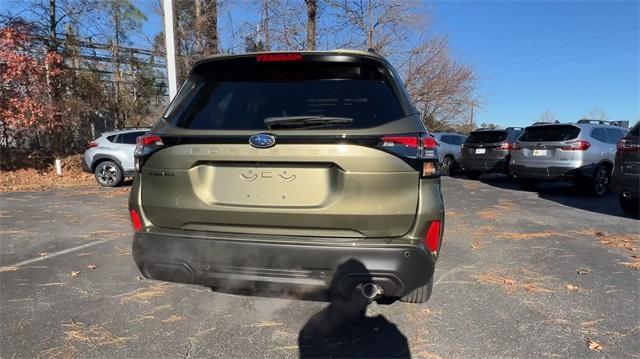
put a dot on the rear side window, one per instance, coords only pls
(487, 136)
(600, 134)
(219, 97)
(111, 138)
(614, 135)
(550, 133)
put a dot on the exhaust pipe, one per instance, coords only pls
(626, 194)
(371, 291)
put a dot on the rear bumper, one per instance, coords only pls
(224, 260)
(485, 165)
(85, 166)
(551, 172)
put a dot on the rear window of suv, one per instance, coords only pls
(487, 136)
(551, 133)
(232, 97)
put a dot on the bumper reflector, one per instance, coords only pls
(135, 220)
(432, 239)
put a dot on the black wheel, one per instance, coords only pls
(528, 184)
(447, 166)
(420, 294)
(474, 175)
(108, 174)
(630, 205)
(598, 185)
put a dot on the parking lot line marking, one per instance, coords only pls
(51, 255)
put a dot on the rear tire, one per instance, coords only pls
(474, 175)
(630, 205)
(420, 294)
(447, 166)
(108, 174)
(598, 185)
(528, 184)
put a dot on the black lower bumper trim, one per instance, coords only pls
(241, 263)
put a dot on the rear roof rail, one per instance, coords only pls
(624, 124)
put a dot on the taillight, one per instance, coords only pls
(91, 145)
(145, 146)
(579, 145)
(624, 145)
(508, 146)
(136, 223)
(419, 150)
(279, 57)
(432, 239)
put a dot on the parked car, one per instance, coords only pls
(449, 150)
(625, 179)
(277, 168)
(488, 151)
(582, 153)
(110, 156)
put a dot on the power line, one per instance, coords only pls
(566, 61)
(565, 44)
(569, 51)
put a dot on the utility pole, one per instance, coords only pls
(170, 48)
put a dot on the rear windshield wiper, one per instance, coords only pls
(305, 121)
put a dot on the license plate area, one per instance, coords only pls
(539, 152)
(268, 186)
(481, 151)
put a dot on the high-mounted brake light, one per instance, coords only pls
(579, 145)
(281, 57)
(136, 223)
(432, 239)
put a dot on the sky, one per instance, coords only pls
(567, 57)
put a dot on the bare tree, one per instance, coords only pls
(546, 116)
(312, 10)
(597, 114)
(441, 88)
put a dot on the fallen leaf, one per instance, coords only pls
(583, 271)
(92, 266)
(475, 247)
(9, 269)
(75, 273)
(593, 345)
(572, 287)
(509, 282)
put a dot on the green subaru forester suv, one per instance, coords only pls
(276, 168)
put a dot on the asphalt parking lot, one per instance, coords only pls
(521, 274)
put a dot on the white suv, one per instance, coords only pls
(110, 156)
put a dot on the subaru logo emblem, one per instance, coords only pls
(262, 140)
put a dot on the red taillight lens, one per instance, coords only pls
(135, 220)
(432, 239)
(146, 140)
(91, 145)
(428, 142)
(625, 145)
(284, 57)
(579, 145)
(506, 146)
(409, 141)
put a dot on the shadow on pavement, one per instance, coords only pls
(342, 330)
(565, 194)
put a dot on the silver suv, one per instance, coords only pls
(582, 153)
(449, 150)
(110, 156)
